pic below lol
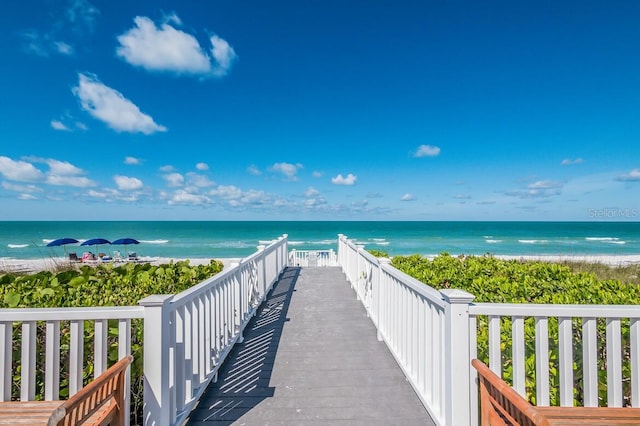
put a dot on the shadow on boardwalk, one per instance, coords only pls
(310, 357)
(244, 377)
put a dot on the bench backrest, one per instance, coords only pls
(100, 402)
(500, 404)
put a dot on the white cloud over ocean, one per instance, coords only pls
(166, 48)
(427, 151)
(348, 180)
(111, 107)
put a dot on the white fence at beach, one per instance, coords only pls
(186, 337)
(433, 336)
(306, 258)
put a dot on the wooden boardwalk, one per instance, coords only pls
(310, 357)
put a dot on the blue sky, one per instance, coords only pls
(320, 110)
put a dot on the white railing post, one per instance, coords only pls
(377, 294)
(156, 360)
(457, 357)
(262, 272)
(357, 281)
(284, 250)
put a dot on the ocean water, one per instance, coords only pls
(27, 240)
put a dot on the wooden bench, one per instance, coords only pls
(501, 405)
(101, 402)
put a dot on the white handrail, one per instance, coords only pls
(433, 336)
(189, 335)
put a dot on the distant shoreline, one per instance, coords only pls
(48, 264)
(43, 264)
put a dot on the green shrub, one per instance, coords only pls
(512, 281)
(103, 285)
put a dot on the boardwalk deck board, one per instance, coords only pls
(310, 357)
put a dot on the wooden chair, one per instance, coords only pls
(101, 402)
(501, 405)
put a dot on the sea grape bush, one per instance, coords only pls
(103, 285)
(494, 280)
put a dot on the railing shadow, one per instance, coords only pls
(243, 379)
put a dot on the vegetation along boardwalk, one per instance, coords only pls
(310, 356)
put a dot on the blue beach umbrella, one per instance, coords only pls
(95, 242)
(62, 242)
(125, 241)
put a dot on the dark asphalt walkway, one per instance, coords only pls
(310, 357)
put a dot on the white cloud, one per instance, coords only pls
(254, 170)
(544, 184)
(79, 18)
(226, 191)
(132, 161)
(202, 166)
(287, 169)
(97, 194)
(166, 48)
(462, 197)
(184, 197)
(125, 183)
(317, 174)
(26, 197)
(174, 180)
(538, 189)
(633, 175)
(427, 151)
(199, 181)
(70, 180)
(569, 161)
(20, 188)
(111, 107)
(82, 15)
(407, 197)
(62, 168)
(348, 180)
(59, 125)
(223, 54)
(167, 169)
(20, 171)
(311, 192)
(63, 48)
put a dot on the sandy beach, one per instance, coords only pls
(44, 264)
(34, 265)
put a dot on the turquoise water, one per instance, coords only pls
(24, 240)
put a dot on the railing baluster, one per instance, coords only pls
(614, 363)
(495, 353)
(76, 356)
(565, 353)
(590, 361)
(542, 361)
(101, 330)
(28, 362)
(180, 356)
(518, 355)
(52, 363)
(6, 359)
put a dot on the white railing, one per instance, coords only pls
(555, 324)
(307, 258)
(433, 335)
(188, 336)
(33, 326)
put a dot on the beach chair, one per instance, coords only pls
(133, 256)
(73, 257)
